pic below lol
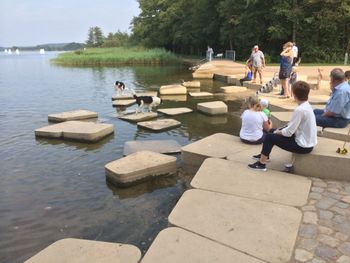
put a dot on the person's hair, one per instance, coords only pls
(347, 74)
(301, 90)
(253, 102)
(337, 74)
(288, 44)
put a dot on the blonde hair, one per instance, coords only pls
(253, 102)
(288, 44)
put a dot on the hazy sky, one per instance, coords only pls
(33, 22)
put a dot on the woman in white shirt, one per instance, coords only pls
(255, 123)
(299, 136)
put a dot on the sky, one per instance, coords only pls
(34, 22)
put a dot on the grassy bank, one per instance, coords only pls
(116, 56)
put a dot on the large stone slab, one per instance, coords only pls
(202, 75)
(251, 85)
(318, 99)
(280, 119)
(219, 145)
(78, 250)
(234, 178)
(174, 245)
(139, 166)
(72, 115)
(174, 111)
(123, 103)
(191, 84)
(174, 97)
(130, 96)
(213, 108)
(262, 229)
(233, 89)
(172, 90)
(220, 77)
(324, 162)
(144, 116)
(159, 146)
(76, 130)
(234, 80)
(201, 94)
(159, 125)
(341, 134)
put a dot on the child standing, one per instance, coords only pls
(265, 108)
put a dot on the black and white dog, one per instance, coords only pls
(147, 102)
(120, 87)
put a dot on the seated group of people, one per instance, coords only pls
(300, 134)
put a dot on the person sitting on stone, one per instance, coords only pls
(337, 111)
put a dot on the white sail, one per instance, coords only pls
(5, 50)
(17, 51)
(42, 51)
(9, 51)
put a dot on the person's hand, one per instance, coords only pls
(278, 132)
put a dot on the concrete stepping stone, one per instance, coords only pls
(174, 245)
(261, 229)
(172, 90)
(220, 77)
(76, 130)
(191, 84)
(159, 146)
(202, 75)
(200, 94)
(302, 77)
(174, 111)
(213, 108)
(281, 118)
(233, 89)
(123, 103)
(235, 178)
(174, 97)
(72, 115)
(340, 134)
(253, 86)
(217, 145)
(318, 99)
(139, 166)
(130, 96)
(324, 162)
(159, 125)
(74, 250)
(144, 116)
(234, 80)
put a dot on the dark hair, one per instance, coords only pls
(337, 74)
(301, 90)
(347, 74)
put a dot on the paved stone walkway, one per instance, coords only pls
(324, 234)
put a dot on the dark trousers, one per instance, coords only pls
(244, 79)
(286, 143)
(260, 141)
(334, 122)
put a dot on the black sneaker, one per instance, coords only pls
(257, 157)
(258, 166)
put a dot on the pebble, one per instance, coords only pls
(344, 228)
(346, 199)
(316, 196)
(345, 248)
(308, 231)
(310, 218)
(308, 208)
(319, 184)
(333, 190)
(317, 189)
(340, 211)
(330, 241)
(303, 255)
(341, 236)
(326, 252)
(316, 260)
(342, 205)
(343, 259)
(325, 230)
(308, 244)
(325, 203)
(324, 214)
(339, 219)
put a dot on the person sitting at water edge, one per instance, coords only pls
(299, 136)
(337, 111)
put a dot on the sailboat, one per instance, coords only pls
(5, 50)
(17, 51)
(42, 51)
(9, 51)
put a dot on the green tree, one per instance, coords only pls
(91, 38)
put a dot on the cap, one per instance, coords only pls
(264, 102)
(256, 46)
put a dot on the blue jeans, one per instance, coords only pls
(334, 122)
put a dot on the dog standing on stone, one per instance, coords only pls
(120, 87)
(146, 102)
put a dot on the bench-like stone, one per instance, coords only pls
(234, 178)
(200, 94)
(174, 111)
(123, 103)
(253, 86)
(144, 116)
(159, 146)
(130, 96)
(234, 80)
(261, 229)
(202, 75)
(172, 90)
(213, 108)
(341, 134)
(191, 84)
(324, 162)
(159, 125)
(220, 77)
(139, 166)
(174, 245)
(318, 99)
(174, 97)
(233, 89)
(74, 250)
(281, 118)
(72, 115)
(76, 130)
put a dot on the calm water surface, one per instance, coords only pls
(53, 189)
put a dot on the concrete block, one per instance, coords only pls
(159, 125)
(220, 77)
(159, 146)
(130, 96)
(174, 111)
(341, 134)
(261, 229)
(234, 178)
(123, 103)
(139, 166)
(191, 84)
(174, 97)
(144, 116)
(318, 99)
(78, 250)
(199, 95)
(324, 162)
(234, 80)
(72, 115)
(233, 89)
(76, 130)
(280, 119)
(172, 90)
(174, 245)
(202, 75)
(213, 107)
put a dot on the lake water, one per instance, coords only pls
(53, 189)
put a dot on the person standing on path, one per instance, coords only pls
(210, 53)
(258, 63)
(286, 61)
(295, 53)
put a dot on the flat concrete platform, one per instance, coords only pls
(324, 162)
(76, 130)
(159, 125)
(341, 134)
(72, 115)
(139, 166)
(172, 90)
(318, 99)
(234, 178)
(192, 84)
(200, 94)
(130, 96)
(174, 111)
(233, 89)
(213, 107)
(174, 245)
(78, 251)
(174, 97)
(261, 229)
(159, 146)
(123, 103)
(253, 86)
(280, 118)
(139, 116)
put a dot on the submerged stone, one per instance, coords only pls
(213, 108)
(72, 115)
